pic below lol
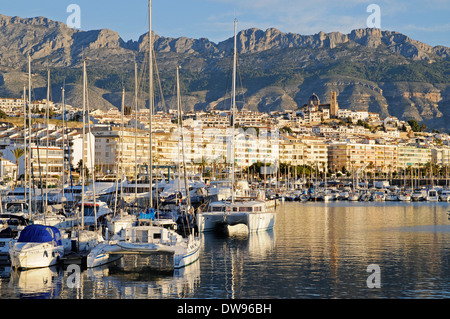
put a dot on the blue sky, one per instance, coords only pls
(424, 20)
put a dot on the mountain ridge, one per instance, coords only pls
(278, 70)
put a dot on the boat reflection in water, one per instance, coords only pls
(127, 278)
(41, 283)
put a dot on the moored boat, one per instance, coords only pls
(37, 246)
(147, 240)
(253, 213)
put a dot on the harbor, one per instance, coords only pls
(206, 197)
(316, 250)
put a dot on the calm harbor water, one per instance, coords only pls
(317, 250)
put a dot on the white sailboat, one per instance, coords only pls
(255, 213)
(404, 196)
(147, 240)
(79, 241)
(121, 219)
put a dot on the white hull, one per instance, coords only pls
(432, 196)
(327, 198)
(81, 241)
(184, 251)
(35, 255)
(188, 256)
(210, 221)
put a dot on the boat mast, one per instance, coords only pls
(150, 106)
(178, 133)
(47, 115)
(121, 147)
(180, 125)
(135, 130)
(234, 113)
(84, 146)
(29, 133)
(24, 141)
(63, 198)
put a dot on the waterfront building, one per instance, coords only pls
(440, 155)
(291, 150)
(353, 156)
(47, 163)
(120, 149)
(413, 156)
(8, 170)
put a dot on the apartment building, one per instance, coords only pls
(121, 150)
(440, 155)
(8, 169)
(291, 150)
(353, 156)
(413, 156)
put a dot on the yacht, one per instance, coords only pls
(101, 211)
(353, 196)
(378, 196)
(253, 213)
(404, 196)
(37, 246)
(418, 195)
(432, 195)
(10, 226)
(392, 196)
(445, 195)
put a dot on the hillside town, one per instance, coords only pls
(319, 136)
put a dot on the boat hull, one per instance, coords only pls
(110, 251)
(210, 221)
(35, 255)
(189, 256)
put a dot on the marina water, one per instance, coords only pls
(316, 250)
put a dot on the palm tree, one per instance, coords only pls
(18, 153)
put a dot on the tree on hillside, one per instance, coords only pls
(18, 153)
(414, 125)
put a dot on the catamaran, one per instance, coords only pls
(252, 212)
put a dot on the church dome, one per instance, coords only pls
(314, 100)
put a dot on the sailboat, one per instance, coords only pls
(79, 241)
(254, 213)
(123, 219)
(37, 245)
(148, 240)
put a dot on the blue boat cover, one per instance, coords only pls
(40, 234)
(148, 214)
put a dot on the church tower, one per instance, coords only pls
(333, 105)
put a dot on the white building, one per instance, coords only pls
(8, 170)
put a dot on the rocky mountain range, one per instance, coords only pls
(370, 69)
